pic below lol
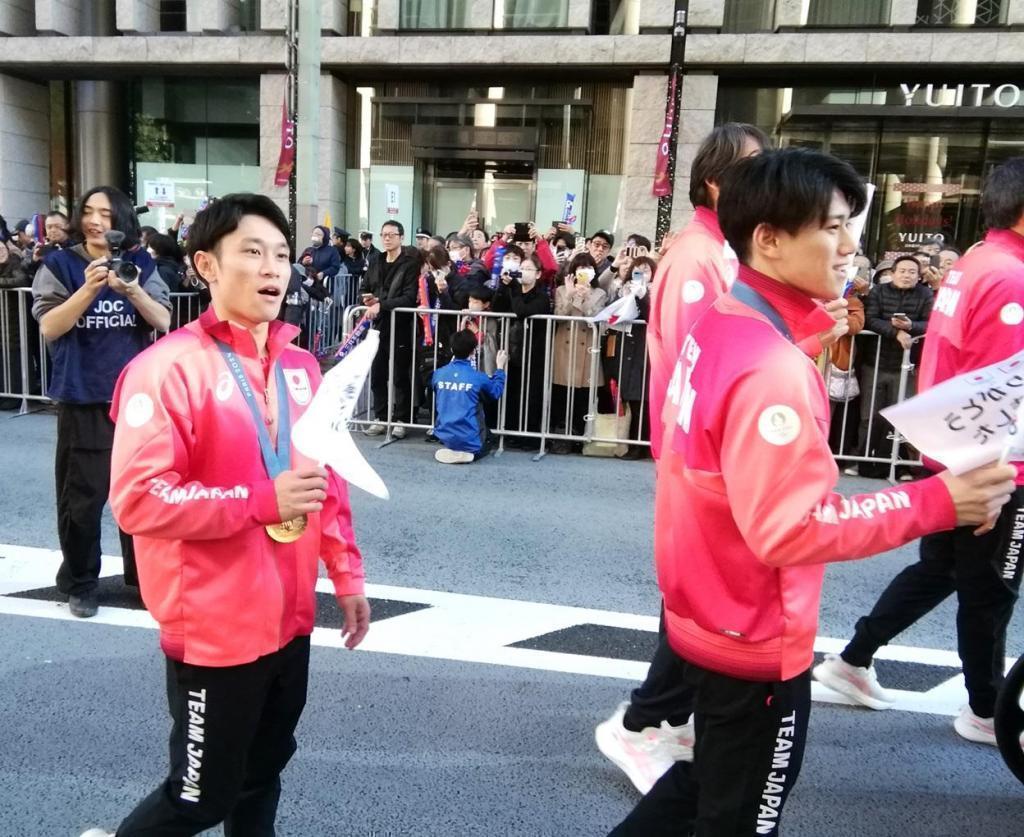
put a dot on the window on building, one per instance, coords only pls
(531, 14)
(849, 13)
(172, 16)
(434, 14)
(961, 12)
(749, 16)
(249, 15)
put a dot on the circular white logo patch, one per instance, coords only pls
(138, 410)
(298, 385)
(225, 385)
(778, 425)
(1012, 314)
(693, 291)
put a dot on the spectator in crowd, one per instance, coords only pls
(478, 238)
(626, 354)
(370, 253)
(320, 259)
(931, 247)
(599, 246)
(618, 272)
(563, 243)
(339, 235)
(352, 258)
(485, 328)
(56, 237)
(460, 391)
(526, 245)
(168, 259)
(391, 282)
(94, 323)
(883, 274)
(438, 241)
(842, 377)
(12, 275)
(434, 291)
(423, 237)
(23, 239)
(5, 231)
(898, 312)
(641, 243)
(578, 296)
(930, 273)
(520, 293)
(947, 258)
(145, 233)
(468, 272)
(975, 323)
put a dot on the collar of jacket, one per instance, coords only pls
(802, 315)
(708, 219)
(1007, 240)
(278, 337)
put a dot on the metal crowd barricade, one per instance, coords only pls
(185, 307)
(866, 429)
(23, 358)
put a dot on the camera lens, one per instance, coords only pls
(126, 271)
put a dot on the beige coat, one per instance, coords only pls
(568, 304)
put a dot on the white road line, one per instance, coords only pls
(464, 628)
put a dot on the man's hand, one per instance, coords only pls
(373, 311)
(837, 308)
(37, 252)
(532, 227)
(96, 273)
(900, 323)
(300, 492)
(118, 285)
(620, 259)
(509, 232)
(904, 339)
(357, 619)
(441, 283)
(861, 285)
(501, 360)
(979, 495)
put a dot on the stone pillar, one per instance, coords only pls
(789, 13)
(902, 12)
(273, 15)
(17, 17)
(333, 148)
(334, 16)
(387, 15)
(697, 118)
(579, 14)
(272, 88)
(705, 13)
(481, 14)
(138, 16)
(97, 135)
(62, 17)
(658, 14)
(1015, 12)
(211, 15)
(25, 140)
(646, 123)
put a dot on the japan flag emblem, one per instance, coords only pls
(298, 385)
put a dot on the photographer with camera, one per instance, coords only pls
(97, 304)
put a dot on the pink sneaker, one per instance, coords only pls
(858, 684)
(643, 756)
(970, 726)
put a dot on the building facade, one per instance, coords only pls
(428, 108)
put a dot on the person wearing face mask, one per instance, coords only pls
(434, 292)
(521, 294)
(531, 243)
(625, 354)
(467, 273)
(321, 259)
(94, 323)
(577, 296)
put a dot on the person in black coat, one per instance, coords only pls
(170, 263)
(392, 281)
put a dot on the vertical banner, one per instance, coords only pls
(391, 200)
(286, 160)
(662, 186)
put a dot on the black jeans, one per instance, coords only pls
(664, 695)
(984, 573)
(85, 436)
(232, 736)
(747, 757)
(403, 376)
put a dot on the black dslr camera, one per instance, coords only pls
(124, 270)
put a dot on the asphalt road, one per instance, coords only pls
(395, 744)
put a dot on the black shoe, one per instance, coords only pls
(635, 452)
(560, 447)
(85, 605)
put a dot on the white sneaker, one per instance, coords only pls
(858, 684)
(643, 756)
(852, 471)
(98, 832)
(970, 726)
(453, 457)
(375, 429)
(398, 432)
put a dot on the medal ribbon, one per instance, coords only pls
(280, 459)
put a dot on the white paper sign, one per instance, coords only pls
(158, 192)
(970, 420)
(857, 223)
(391, 199)
(323, 434)
(620, 314)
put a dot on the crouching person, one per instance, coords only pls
(459, 389)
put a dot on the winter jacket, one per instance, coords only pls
(402, 290)
(626, 355)
(535, 302)
(573, 341)
(978, 317)
(458, 388)
(843, 348)
(326, 260)
(189, 483)
(881, 304)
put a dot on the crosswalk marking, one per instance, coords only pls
(464, 628)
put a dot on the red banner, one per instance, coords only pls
(287, 158)
(662, 187)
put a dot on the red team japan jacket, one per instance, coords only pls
(746, 513)
(978, 313)
(188, 481)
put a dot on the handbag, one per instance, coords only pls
(843, 385)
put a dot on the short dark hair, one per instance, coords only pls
(56, 213)
(438, 240)
(481, 292)
(464, 343)
(513, 250)
(122, 214)
(354, 243)
(164, 247)
(574, 264)
(906, 258)
(396, 224)
(606, 235)
(221, 218)
(1002, 199)
(568, 238)
(787, 189)
(949, 248)
(719, 150)
(639, 240)
(436, 258)
(146, 230)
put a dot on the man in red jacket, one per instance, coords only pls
(230, 525)
(746, 513)
(976, 321)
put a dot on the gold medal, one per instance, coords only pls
(289, 531)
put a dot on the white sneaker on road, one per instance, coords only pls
(858, 684)
(375, 429)
(453, 457)
(643, 756)
(852, 471)
(970, 726)
(398, 432)
(98, 832)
